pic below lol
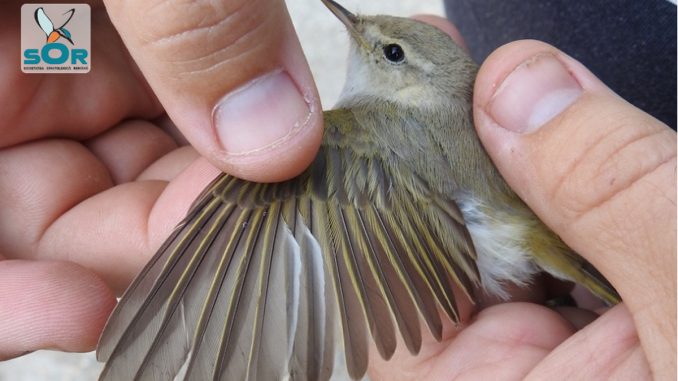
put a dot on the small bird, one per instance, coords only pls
(401, 204)
(53, 34)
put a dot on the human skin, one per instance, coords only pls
(100, 147)
(79, 147)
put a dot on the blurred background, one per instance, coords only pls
(325, 43)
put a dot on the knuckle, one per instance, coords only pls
(622, 152)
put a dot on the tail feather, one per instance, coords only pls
(559, 260)
(595, 282)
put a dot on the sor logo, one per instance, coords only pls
(55, 38)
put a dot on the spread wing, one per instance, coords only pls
(260, 281)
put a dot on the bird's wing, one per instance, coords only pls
(43, 21)
(261, 280)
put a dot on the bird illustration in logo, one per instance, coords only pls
(53, 34)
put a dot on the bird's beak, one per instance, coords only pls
(349, 20)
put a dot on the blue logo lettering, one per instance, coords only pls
(31, 56)
(48, 48)
(79, 55)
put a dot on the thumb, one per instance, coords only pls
(232, 76)
(600, 172)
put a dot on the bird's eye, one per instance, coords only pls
(394, 53)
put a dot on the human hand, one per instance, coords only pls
(600, 173)
(94, 179)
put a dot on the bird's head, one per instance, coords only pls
(402, 60)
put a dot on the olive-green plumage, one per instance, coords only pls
(266, 281)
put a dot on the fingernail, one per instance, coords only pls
(534, 93)
(263, 113)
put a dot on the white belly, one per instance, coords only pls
(502, 258)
